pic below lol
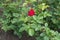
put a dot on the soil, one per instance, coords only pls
(10, 36)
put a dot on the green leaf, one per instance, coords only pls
(46, 24)
(46, 38)
(14, 20)
(22, 29)
(43, 6)
(16, 15)
(31, 32)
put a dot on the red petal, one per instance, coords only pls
(31, 12)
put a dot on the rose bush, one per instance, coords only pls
(39, 18)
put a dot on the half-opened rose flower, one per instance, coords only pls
(31, 12)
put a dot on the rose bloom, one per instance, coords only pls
(31, 12)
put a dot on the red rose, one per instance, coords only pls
(31, 12)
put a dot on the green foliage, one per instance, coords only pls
(43, 25)
(31, 32)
